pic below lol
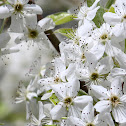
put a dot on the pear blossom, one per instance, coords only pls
(88, 118)
(44, 116)
(94, 71)
(26, 95)
(111, 100)
(117, 19)
(34, 33)
(85, 12)
(70, 104)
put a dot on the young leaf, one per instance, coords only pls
(62, 17)
(109, 3)
(98, 20)
(68, 32)
(54, 99)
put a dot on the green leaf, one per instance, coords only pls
(112, 9)
(98, 20)
(109, 3)
(81, 93)
(1, 124)
(62, 17)
(90, 2)
(68, 32)
(54, 99)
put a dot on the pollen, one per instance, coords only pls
(57, 80)
(94, 76)
(90, 124)
(114, 101)
(68, 101)
(33, 34)
(104, 36)
(18, 7)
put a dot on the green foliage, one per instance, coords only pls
(68, 32)
(54, 99)
(81, 93)
(109, 3)
(112, 10)
(62, 17)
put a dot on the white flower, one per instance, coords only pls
(17, 9)
(34, 33)
(62, 74)
(25, 94)
(70, 103)
(117, 19)
(86, 13)
(111, 100)
(34, 120)
(88, 119)
(94, 71)
(104, 36)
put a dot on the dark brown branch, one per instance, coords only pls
(54, 40)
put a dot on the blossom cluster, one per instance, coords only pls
(85, 84)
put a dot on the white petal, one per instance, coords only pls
(59, 66)
(81, 101)
(27, 110)
(4, 39)
(31, 20)
(123, 98)
(8, 51)
(41, 111)
(4, 12)
(118, 72)
(103, 106)
(119, 114)
(91, 14)
(33, 8)
(116, 86)
(118, 29)
(92, 61)
(74, 121)
(99, 92)
(17, 24)
(105, 65)
(98, 50)
(60, 90)
(111, 18)
(73, 87)
(88, 113)
(23, 1)
(58, 111)
(46, 96)
(46, 24)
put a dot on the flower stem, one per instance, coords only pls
(2, 27)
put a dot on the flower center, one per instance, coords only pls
(18, 7)
(90, 124)
(57, 80)
(104, 36)
(83, 56)
(33, 34)
(94, 76)
(124, 17)
(114, 101)
(68, 101)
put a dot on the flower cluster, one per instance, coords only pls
(85, 84)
